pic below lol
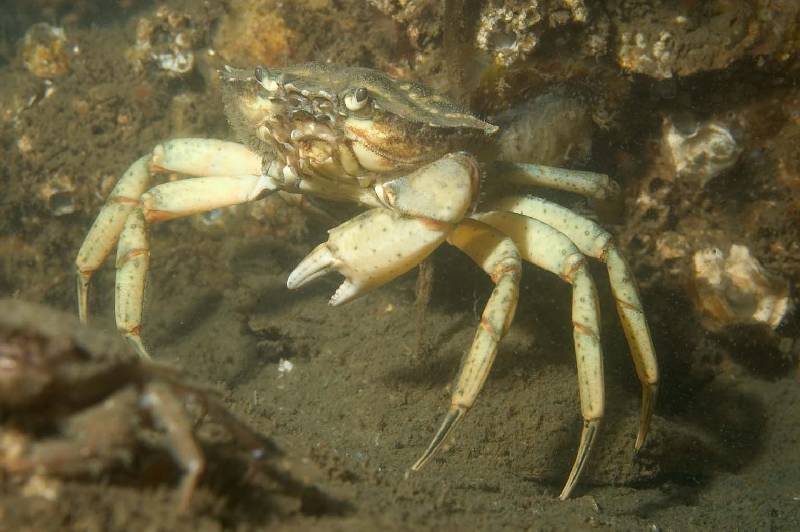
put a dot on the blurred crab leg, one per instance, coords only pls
(371, 249)
(498, 256)
(593, 240)
(78, 452)
(107, 227)
(187, 156)
(166, 202)
(70, 457)
(553, 251)
(168, 411)
(588, 184)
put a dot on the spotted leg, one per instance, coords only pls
(107, 226)
(551, 250)
(593, 240)
(498, 256)
(128, 210)
(589, 184)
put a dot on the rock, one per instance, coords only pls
(736, 290)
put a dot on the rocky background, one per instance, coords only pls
(693, 107)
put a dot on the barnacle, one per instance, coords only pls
(44, 51)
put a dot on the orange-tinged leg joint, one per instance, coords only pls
(499, 257)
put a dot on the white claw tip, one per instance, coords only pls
(316, 264)
(293, 281)
(347, 291)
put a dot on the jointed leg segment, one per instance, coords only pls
(498, 256)
(551, 250)
(129, 209)
(593, 240)
(107, 226)
(589, 184)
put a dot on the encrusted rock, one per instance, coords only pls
(509, 30)
(253, 33)
(44, 51)
(168, 40)
(666, 39)
(58, 194)
(736, 290)
(703, 152)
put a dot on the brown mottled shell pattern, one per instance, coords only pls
(410, 100)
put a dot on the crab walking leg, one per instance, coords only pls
(205, 157)
(170, 415)
(209, 402)
(553, 251)
(133, 261)
(107, 227)
(588, 184)
(593, 240)
(498, 256)
(166, 202)
(188, 156)
(98, 441)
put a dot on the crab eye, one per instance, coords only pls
(357, 99)
(259, 74)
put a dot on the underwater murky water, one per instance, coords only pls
(693, 110)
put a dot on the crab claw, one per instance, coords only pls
(347, 291)
(315, 265)
(370, 250)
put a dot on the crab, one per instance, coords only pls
(405, 154)
(73, 402)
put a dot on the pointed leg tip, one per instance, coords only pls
(426, 456)
(136, 340)
(649, 392)
(588, 435)
(421, 461)
(641, 437)
(452, 418)
(83, 279)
